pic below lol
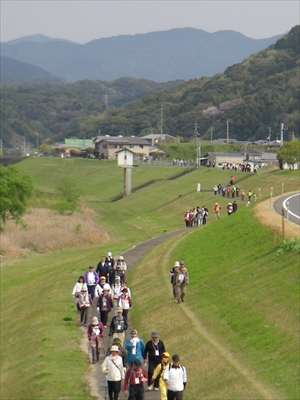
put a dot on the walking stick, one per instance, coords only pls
(108, 342)
(105, 386)
(89, 350)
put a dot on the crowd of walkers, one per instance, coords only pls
(196, 216)
(126, 359)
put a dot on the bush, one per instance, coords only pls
(64, 207)
(69, 189)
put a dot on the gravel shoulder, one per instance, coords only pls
(268, 216)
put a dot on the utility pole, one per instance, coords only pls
(227, 132)
(161, 122)
(211, 133)
(24, 148)
(198, 140)
(270, 133)
(37, 143)
(282, 129)
(197, 144)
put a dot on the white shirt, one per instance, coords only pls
(176, 378)
(90, 278)
(98, 290)
(115, 372)
(77, 288)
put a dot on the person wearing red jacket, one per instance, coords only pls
(135, 378)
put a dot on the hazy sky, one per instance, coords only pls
(83, 21)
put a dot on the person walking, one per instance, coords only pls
(112, 366)
(172, 273)
(135, 378)
(99, 287)
(122, 352)
(105, 304)
(116, 291)
(95, 334)
(135, 347)
(102, 268)
(158, 374)
(181, 277)
(249, 196)
(175, 377)
(125, 302)
(153, 354)
(229, 209)
(91, 278)
(118, 326)
(110, 263)
(217, 209)
(77, 290)
(84, 302)
(205, 215)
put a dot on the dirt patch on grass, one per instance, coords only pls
(269, 217)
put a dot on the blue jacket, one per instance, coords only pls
(140, 348)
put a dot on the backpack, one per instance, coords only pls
(180, 366)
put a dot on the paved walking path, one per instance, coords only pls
(95, 376)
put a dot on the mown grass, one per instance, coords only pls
(240, 296)
(246, 300)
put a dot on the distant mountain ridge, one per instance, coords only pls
(37, 39)
(183, 53)
(13, 71)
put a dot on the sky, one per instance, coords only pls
(83, 21)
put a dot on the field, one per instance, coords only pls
(238, 331)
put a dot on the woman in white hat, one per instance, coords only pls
(113, 367)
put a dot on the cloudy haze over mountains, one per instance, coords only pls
(83, 21)
(159, 56)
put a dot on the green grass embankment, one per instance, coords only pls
(237, 332)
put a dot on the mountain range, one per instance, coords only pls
(183, 53)
(254, 96)
(14, 71)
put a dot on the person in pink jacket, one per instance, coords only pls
(95, 334)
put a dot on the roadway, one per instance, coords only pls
(291, 205)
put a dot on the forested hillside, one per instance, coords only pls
(13, 71)
(55, 111)
(253, 95)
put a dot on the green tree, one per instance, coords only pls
(16, 189)
(289, 153)
(45, 148)
(69, 192)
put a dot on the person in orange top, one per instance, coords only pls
(217, 209)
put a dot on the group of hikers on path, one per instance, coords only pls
(126, 359)
(198, 216)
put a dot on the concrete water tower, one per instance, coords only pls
(125, 160)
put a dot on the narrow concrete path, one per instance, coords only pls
(95, 377)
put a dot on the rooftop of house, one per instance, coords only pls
(121, 140)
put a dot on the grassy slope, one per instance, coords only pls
(241, 288)
(245, 301)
